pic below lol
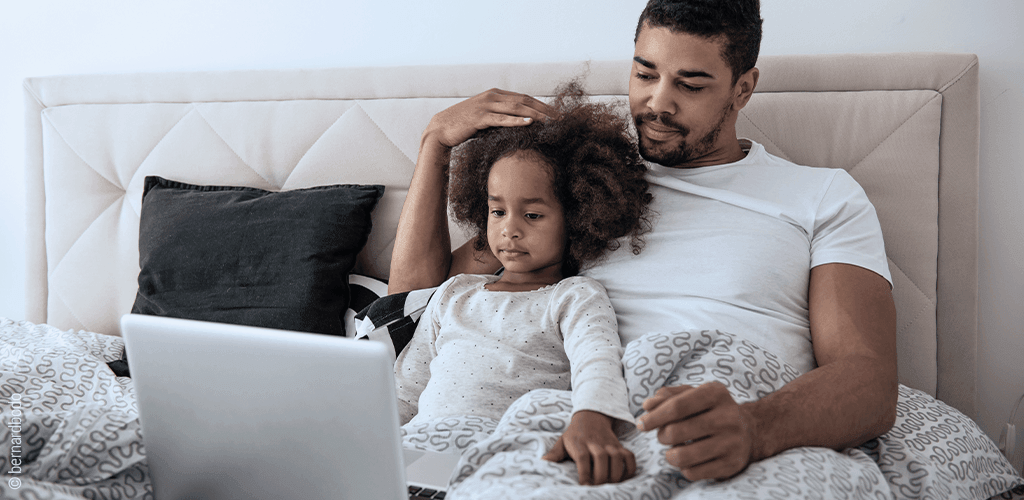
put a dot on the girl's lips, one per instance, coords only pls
(511, 254)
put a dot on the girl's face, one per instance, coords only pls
(525, 225)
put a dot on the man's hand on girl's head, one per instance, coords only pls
(493, 108)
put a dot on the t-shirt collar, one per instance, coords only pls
(752, 149)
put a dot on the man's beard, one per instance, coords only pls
(686, 151)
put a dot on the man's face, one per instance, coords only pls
(681, 97)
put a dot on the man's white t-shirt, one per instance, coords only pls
(732, 249)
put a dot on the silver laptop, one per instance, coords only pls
(240, 412)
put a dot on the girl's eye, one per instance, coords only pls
(498, 213)
(533, 216)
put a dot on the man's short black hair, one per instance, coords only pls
(738, 21)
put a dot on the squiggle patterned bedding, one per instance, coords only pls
(78, 424)
(933, 451)
(73, 427)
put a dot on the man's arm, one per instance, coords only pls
(855, 387)
(422, 256)
(849, 399)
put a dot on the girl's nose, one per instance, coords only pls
(511, 230)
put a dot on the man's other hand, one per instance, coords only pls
(709, 434)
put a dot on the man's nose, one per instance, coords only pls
(661, 98)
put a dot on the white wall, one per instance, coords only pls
(45, 37)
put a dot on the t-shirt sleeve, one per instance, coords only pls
(592, 345)
(412, 367)
(846, 228)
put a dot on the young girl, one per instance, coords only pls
(546, 200)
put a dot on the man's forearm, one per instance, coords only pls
(837, 406)
(422, 254)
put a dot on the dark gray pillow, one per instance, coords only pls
(251, 257)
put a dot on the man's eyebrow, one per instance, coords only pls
(644, 62)
(683, 73)
(694, 74)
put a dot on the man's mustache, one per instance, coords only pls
(662, 120)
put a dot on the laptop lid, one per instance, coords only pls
(232, 411)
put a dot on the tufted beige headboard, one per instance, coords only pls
(904, 125)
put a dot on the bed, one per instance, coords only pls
(906, 126)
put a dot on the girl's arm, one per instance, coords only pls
(590, 334)
(592, 344)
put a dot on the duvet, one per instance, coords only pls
(70, 430)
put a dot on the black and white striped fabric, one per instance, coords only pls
(363, 291)
(388, 318)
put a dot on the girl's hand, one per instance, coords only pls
(589, 441)
(493, 108)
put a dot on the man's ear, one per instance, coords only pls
(744, 87)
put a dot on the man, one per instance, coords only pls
(785, 256)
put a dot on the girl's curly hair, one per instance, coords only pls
(597, 174)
